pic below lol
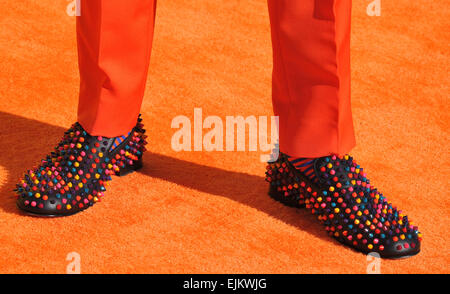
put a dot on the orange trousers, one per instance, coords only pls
(311, 70)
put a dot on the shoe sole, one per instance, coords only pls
(122, 173)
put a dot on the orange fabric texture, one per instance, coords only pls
(114, 46)
(208, 212)
(311, 76)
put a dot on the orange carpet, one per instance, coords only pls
(201, 212)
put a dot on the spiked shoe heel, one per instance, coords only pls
(285, 185)
(129, 168)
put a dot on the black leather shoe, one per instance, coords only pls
(351, 209)
(73, 177)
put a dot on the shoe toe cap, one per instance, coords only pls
(401, 249)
